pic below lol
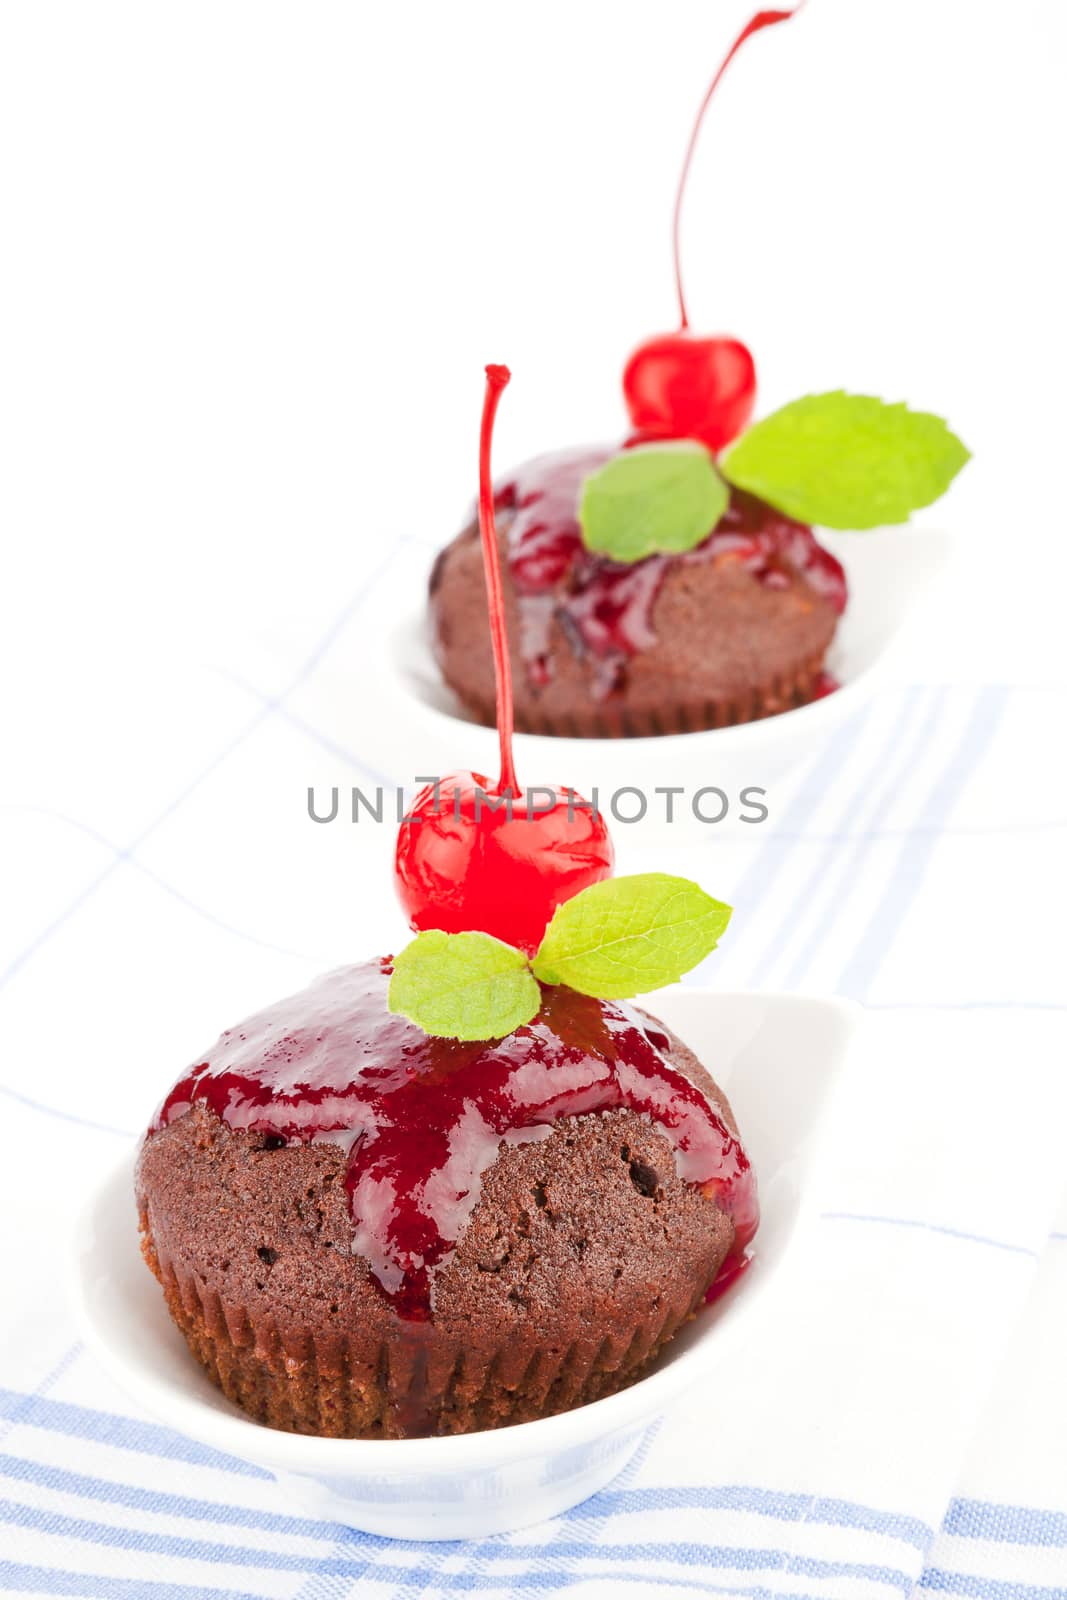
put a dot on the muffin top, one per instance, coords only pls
(420, 1118)
(607, 606)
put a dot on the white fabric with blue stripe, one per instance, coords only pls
(901, 1432)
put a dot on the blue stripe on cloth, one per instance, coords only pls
(762, 1502)
(607, 1504)
(762, 873)
(131, 861)
(551, 1583)
(325, 741)
(64, 1116)
(738, 1558)
(11, 1418)
(50, 1580)
(110, 1427)
(149, 1542)
(469, 1556)
(967, 1519)
(964, 1005)
(917, 852)
(937, 1580)
(971, 1519)
(331, 1586)
(136, 1497)
(267, 709)
(930, 1227)
(89, 832)
(733, 1558)
(999, 1524)
(952, 830)
(885, 776)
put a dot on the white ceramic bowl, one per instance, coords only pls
(777, 1055)
(404, 706)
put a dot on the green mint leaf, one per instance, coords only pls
(846, 460)
(656, 497)
(463, 986)
(625, 936)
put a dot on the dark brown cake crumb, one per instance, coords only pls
(584, 1254)
(728, 649)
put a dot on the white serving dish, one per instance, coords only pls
(389, 672)
(778, 1057)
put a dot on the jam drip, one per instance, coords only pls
(421, 1119)
(604, 607)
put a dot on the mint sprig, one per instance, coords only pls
(463, 985)
(654, 498)
(846, 460)
(616, 939)
(625, 936)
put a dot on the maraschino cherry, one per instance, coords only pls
(679, 385)
(462, 862)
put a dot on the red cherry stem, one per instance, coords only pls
(496, 381)
(762, 19)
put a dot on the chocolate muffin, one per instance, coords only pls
(363, 1231)
(733, 630)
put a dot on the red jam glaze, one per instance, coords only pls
(734, 1267)
(421, 1119)
(605, 607)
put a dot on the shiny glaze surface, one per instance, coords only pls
(421, 1119)
(606, 608)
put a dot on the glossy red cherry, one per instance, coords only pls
(461, 863)
(471, 855)
(682, 386)
(679, 385)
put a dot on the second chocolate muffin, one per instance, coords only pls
(734, 630)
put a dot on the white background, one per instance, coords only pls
(256, 255)
(255, 258)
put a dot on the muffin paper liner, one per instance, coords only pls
(419, 1383)
(607, 719)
